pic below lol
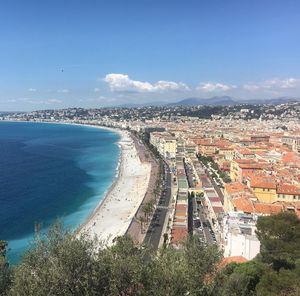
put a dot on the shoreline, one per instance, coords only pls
(106, 194)
(115, 212)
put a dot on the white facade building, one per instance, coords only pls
(238, 235)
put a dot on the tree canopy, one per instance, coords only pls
(64, 263)
(61, 263)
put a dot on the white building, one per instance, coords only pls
(238, 235)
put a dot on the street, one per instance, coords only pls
(199, 225)
(155, 229)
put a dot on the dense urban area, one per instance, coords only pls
(225, 173)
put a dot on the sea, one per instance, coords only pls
(51, 173)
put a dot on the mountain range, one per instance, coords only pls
(216, 101)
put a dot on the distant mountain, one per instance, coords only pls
(228, 101)
(282, 100)
(214, 101)
(272, 101)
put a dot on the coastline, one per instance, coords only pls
(116, 210)
(111, 187)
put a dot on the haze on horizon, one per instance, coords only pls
(57, 54)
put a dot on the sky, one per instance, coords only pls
(94, 53)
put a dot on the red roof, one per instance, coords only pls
(268, 209)
(263, 182)
(243, 204)
(234, 187)
(178, 234)
(236, 259)
(232, 259)
(181, 207)
(288, 189)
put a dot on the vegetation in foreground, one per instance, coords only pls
(63, 264)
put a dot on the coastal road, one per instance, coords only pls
(155, 229)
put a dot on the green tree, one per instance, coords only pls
(57, 264)
(182, 271)
(282, 283)
(279, 236)
(124, 266)
(61, 263)
(238, 279)
(146, 211)
(3, 246)
(142, 221)
(5, 272)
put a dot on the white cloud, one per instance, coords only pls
(54, 101)
(32, 89)
(274, 83)
(211, 87)
(281, 83)
(96, 89)
(122, 82)
(64, 91)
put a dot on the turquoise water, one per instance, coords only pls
(50, 172)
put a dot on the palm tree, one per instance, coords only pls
(148, 209)
(142, 220)
(150, 205)
(145, 210)
(156, 193)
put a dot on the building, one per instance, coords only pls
(238, 235)
(291, 141)
(264, 188)
(240, 169)
(288, 193)
(165, 143)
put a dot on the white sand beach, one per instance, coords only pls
(113, 216)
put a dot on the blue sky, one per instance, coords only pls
(62, 53)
